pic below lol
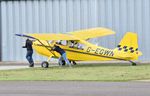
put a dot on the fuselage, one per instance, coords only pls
(89, 52)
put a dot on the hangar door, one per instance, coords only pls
(59, 16)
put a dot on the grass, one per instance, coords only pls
(88, 72)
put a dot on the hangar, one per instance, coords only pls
(60, 16)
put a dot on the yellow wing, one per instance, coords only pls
(77, 35)
(92, 33)
(52, 36)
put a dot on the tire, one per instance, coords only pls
(133, 63)
(45, 64)
(74, 63)
(63, 63)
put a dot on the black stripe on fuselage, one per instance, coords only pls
(82, 52)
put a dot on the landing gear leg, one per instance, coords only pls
(133, 63)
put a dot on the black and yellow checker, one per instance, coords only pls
(127, 49)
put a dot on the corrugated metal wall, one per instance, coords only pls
(45, 16)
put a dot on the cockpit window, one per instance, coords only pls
(61, 42)
(74, 44)
(71, 44)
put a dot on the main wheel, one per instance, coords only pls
(74, 63)
(63, 63)
(44, 64)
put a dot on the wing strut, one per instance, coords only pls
(22, 35)
(46, 47)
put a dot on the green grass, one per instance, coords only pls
(90, 72)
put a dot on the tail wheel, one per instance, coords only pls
(133, 63)
(44, 64)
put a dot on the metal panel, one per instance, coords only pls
(47, 16)
(0, 36)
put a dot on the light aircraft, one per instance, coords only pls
(79, 49)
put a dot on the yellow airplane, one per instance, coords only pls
(79, 49)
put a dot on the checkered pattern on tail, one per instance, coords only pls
(127, 49)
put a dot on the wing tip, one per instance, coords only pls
(23, 35)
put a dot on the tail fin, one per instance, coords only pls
(129, 45)
(130, 40)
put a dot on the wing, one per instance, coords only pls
(48, 36)
(92, 33)
(77, 35)
(23, 35)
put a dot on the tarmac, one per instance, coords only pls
(69, 88)
(73, 88)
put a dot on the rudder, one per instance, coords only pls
(129, 45)
(130, 40)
